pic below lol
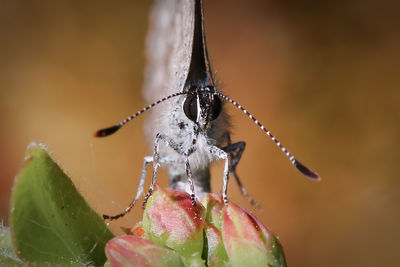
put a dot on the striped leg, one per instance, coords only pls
(171, 143)
(235, 151)
(189, 175)
(221, 154)
(139, 192)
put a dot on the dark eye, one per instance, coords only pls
(190, 107)
(216, 108)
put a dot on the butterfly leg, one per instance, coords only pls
(189, 174)
(235, 151)
(147, 160)
(221, 154)
(156, 162)
(139, 192)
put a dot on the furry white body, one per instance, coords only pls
(184, 132)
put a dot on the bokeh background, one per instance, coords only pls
(323, 76)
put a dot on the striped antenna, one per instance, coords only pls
(299, 166)
(110, 130)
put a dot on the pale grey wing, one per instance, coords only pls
(169, 47)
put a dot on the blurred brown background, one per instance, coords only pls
(322, 75)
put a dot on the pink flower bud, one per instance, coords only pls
(135, 251)
(175, 232)
(171, 220)
(247, 240)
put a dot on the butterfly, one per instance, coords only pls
(191, 128)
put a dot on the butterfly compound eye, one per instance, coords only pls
(216, 108)
(190, 107)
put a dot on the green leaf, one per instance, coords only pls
(50, 222)
(7, 254)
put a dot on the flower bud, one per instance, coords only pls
(171, 220)
(135, 251)
(173, 232)
(247, 240)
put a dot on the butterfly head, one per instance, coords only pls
(202, 105)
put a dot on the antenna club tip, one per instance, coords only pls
(315, 177)
(306, 171)
(97, 134)
(107, 131)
